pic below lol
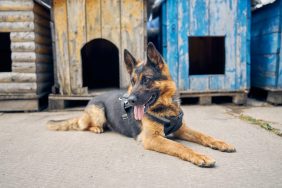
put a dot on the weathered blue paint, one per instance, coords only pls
(230, 19)
(184, 22)
(266, 52)
(172, 32)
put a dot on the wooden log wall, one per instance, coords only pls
(29, 26)
(76, 22)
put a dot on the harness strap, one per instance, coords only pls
(124, 106)
(171, 124)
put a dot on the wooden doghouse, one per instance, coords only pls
(206, 45)
(90, 36)
(26, 55)
(266, 51)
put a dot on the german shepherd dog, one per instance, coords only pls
(148, 111)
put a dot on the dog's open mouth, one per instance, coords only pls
(140, 110)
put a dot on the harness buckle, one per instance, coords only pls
(124, 116)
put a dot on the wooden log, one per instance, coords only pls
(30, 57)
(18, 26)
(16, 16)
(29, 37)
(6, 5)
(42, 21)
(62, 53)
(30, 47)
(77, 38)
(31, 67)
(9, 77)
(24, 26)
(42, 11)
(23, 67)
(18, 88)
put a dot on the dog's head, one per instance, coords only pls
(151, 82)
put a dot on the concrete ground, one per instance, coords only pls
(32, 156)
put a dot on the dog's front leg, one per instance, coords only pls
(153, 139)
(191, 135)
(164, 145)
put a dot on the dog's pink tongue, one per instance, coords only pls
(138, 112)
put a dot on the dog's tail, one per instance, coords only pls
(63, 125)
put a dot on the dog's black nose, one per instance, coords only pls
(132, 99)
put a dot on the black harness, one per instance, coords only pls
(170, 123)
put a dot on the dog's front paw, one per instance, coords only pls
(96, 129)
(222, 146)
(202, 160)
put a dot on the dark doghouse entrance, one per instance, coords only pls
(100, 63)
(206, 55)
(5, 53)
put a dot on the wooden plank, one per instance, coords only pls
(199, 17)
(93, 19)
(6, 5)
(216, 82)
(62, 53)
(16, 16)
(164, 22)
(77, 38)
(279, 69)
(172, 38)
(183, 29)
(29, 37)
(267, 26)
(221, 17)
(242, 30)
(30, 57)
(265, 63)
(132, 33)
(266, 44)
(19, 105)
(111, 21)
(199, 83)
(30, 47)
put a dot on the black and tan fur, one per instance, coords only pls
(152, 86)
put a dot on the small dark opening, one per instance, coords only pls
(5, 53)
(206, 55)
(100, 63)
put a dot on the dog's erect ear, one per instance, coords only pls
(129, 60)
(154, 56)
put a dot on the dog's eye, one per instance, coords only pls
(146, 80)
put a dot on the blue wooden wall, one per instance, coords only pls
(266, 43)
(231, 19)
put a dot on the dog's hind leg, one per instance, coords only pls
(97, 118)
(191, 135)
